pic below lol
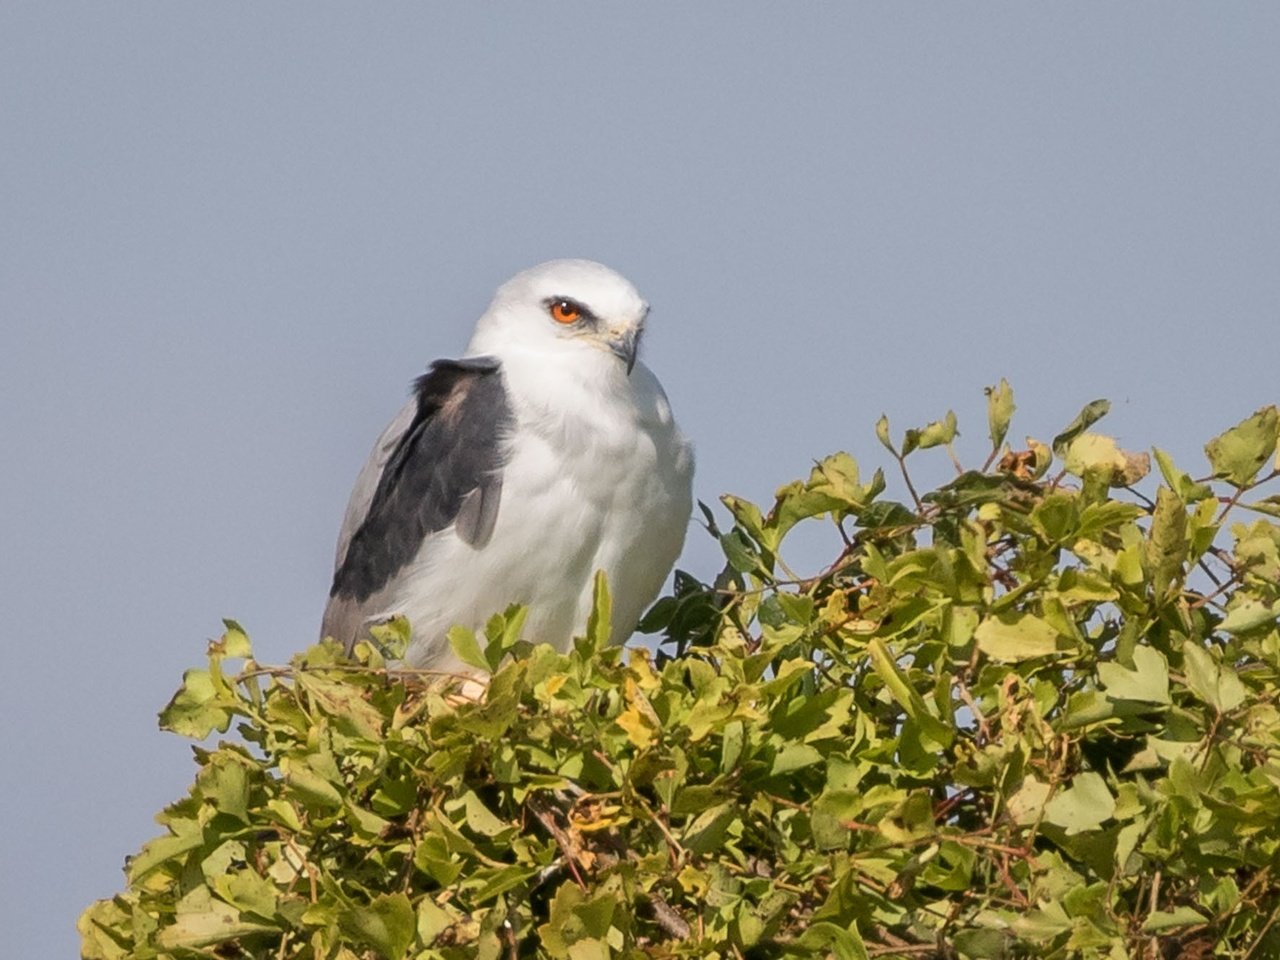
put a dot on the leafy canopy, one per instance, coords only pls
(1030, 713)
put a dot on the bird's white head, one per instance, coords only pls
(564, 308)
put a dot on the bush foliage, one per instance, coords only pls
(1031, 713)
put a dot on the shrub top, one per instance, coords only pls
(1029, 713)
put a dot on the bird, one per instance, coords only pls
(546, 452)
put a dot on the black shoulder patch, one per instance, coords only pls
(450, 456)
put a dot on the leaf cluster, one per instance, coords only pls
(1029, 713)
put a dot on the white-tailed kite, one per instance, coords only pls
(513, 474)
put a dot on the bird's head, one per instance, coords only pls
(565, 307)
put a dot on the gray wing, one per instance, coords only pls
(370, 473)
(438, 464)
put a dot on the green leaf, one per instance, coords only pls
(566, 927)
(433, 920)
(346, 703)
(882, 434)
(936, 434)
(502, 633)
(311, 787)
(1085, 805)
(1167, 547)
(1248, 615)
(1043, 924)
(387, 924)
(1181, 483)
(197, 709)
(977, 943)
(1267, 505)
(1158, 921)
(832, 810)
(739, 552)
(433, 857)
(248, 892)
(491, 882)
(837, 478)
(939, 432)
(465, 646)
(1238, 454)
(1000, 407)
(219, 923)
(98, 928)
(600, 621)
(1216, 684)
(391, 637)
(828, 939)
(1091, 414)
(906, 695)
(1014, 637)
(165, 850)
(815, 718)
(225, 783)
(1147, 682)
(794, 756)
(235, 642)
(731, 745)
(480, 818)
(513, 619)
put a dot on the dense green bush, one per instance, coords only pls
(1032, 713)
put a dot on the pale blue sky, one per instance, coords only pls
(230, 235)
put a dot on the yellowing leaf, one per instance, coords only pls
(1026, 804)
(638, 727)
(1093, 453)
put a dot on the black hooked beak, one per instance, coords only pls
(625, 344)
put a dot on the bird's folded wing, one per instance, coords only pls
(438, 465)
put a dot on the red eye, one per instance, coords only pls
(565, 311)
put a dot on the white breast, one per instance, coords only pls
(598, 478)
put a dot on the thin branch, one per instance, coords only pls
(902, 466)
(570, 849)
